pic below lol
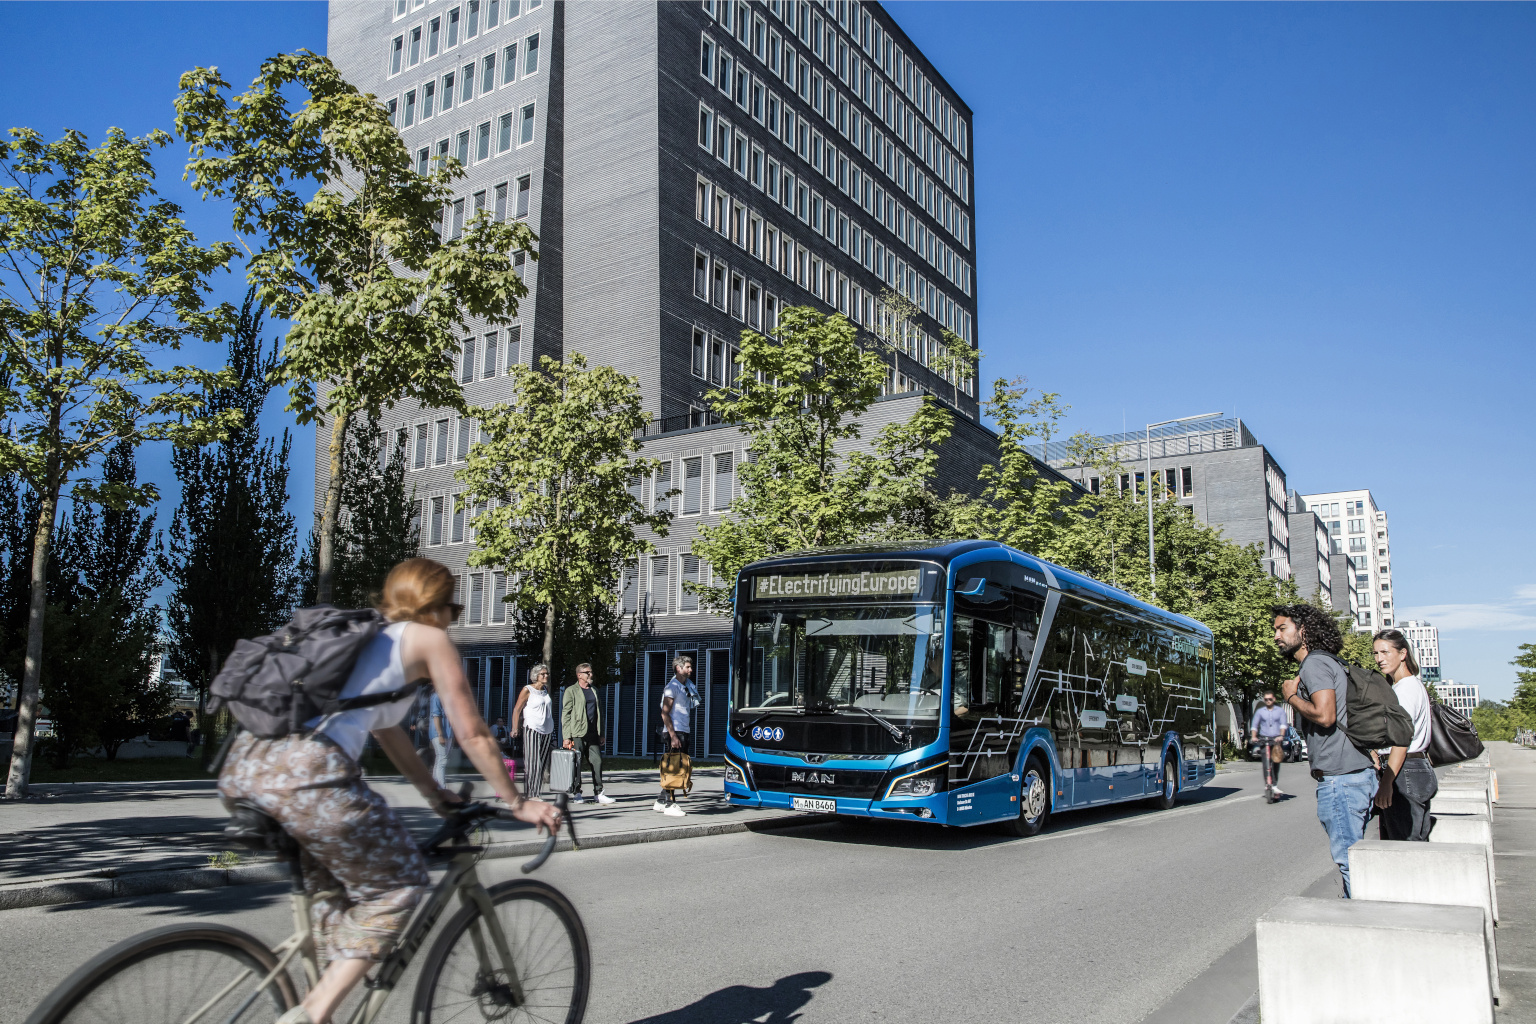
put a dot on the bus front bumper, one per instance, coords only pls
(909, 809)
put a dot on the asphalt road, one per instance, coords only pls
(1107, 917)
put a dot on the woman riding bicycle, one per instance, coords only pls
(361, 867)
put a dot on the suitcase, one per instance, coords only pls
(562, 770)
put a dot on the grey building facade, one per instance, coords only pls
(1311, 553)
(691, 169)
(1217, 468)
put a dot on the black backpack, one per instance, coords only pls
(1373, 717)
(274, 684)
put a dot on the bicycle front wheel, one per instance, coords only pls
(465, 981)
(186, 974)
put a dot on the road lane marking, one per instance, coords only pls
(1145, 819)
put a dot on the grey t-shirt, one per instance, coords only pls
(1330, 751)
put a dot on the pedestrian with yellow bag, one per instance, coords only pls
(678, 701)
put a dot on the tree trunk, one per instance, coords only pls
(549, 638)
(32, 673)
(204, 720)
(326, 557)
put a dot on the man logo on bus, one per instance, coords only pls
(825, 778)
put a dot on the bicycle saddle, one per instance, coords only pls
(251, 826)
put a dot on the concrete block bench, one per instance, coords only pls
(1456, 804)
(1452, 874)
(1463, 792)
(1470, 828)
(1339, 961)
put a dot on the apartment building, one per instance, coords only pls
(1460, 696)
(1358, 530)
(1425, 639)
(1311, 553)
(691, 169)
(1216, 468)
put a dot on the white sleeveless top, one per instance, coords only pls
(378, 670)
(536, 715)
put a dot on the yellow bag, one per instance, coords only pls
(676, 770)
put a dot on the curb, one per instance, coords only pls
(148, 883)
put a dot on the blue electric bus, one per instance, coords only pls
(961, 683)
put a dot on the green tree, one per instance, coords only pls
(232, 524)
(378, 290)
(380, 523)
(798, 398)
(554, 469)
(99, 278)
(102, 630)
(1021, 506)
(1524, 699)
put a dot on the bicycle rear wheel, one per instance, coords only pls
(549, 950)
(181, 974)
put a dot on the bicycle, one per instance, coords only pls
(213, 974)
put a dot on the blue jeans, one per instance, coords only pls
(1344, 806)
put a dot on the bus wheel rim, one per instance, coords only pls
(1034, 796)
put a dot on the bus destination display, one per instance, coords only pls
(903, 583)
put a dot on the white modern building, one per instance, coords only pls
(1357, 529)
(1425, 639)
(1460, 696)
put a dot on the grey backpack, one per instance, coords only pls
(274, 684)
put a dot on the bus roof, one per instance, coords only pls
(959, 553)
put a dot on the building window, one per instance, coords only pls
(467, 363)
(629, 599)
(699, 343)
(499, 598)
(490, 365)
(707, 58)
(1189, 480)
(458, 522)
(718, 284)
(501, 202)
(531, 56)
(519, 264)
(725, 464)
(509, 64)
(514, 346)
(693, 486)
(441, 453)
(525, 132)
(435, 523)
(504, 133)
(466, 83)
(415, 46)
(687, 601)
(483, 141)
(524, 187)
(465, 429)
(660, 590)
(706, 127)
(420, 459)
(738, 296)
(717, 361)
(476, 598)
(661, 494)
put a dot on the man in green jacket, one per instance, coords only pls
(581, 723)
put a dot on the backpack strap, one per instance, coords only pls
(369, 700)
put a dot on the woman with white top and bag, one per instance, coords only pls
(1405, 812)
(535, 712)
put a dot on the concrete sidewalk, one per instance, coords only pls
(84, 841)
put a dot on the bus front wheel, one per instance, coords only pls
(1034, 800)
(1168, 795)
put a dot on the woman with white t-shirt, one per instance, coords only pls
(538, 721)
(1414, 784)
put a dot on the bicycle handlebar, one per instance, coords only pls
(562, 802)
(458, 824)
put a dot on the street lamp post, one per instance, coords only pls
(1151, 544)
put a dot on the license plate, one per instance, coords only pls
(810, 803)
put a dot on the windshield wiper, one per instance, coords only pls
(787, 709)
(903, 736)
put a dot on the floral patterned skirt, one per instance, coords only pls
(362, 869)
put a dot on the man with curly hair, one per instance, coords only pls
(1346, 780)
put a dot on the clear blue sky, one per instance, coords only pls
(1316, 216)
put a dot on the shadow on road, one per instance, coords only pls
(919, 836)
(744, 1004)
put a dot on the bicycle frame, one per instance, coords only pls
(461, 878)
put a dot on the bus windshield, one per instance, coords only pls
(884, 660)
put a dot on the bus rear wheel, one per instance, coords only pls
(1034, 800)
(1168, 795)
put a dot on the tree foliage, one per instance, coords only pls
(99, 278)
(553, 473)
(380, 523)
(350, 247)
(798, 398)
(231, 555)
(1525, 679)
(101, 628)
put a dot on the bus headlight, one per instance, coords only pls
(733, 773)
(918, 784)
